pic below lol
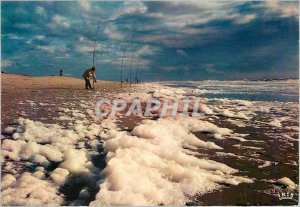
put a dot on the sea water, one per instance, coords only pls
(276, 90)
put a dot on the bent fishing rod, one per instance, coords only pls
(95, 42)
(121, 78)
(136, 71)
(131, 69)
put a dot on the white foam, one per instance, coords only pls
(243, 102)
(45, 133)
(228, 154)
(64, 118)
(292, 163)
(76, 161)
(168, 172)
(238, 123)
(265, 164)
(43, 104)
(64, 109)
(40, 175)
(231, 114)
(204, 108)
(294, 128)
(275, 123)
(21, 150)
(287, 182)
(179, 129)
(29, 146)
(239, 137)
(7, 181)
(247, 147)
(59, 175)
(289, 137)
(78, 114)
(30, 191)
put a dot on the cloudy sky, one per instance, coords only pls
(177, 40)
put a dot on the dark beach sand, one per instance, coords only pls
(18, 92)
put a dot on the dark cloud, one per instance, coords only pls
(172, 40)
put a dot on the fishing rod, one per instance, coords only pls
(95, 42)
(136, 71)
(121, 78)
(131, 68)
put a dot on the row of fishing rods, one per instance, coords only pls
(130, 71)
(122, 65)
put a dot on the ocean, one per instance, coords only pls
(277, 90)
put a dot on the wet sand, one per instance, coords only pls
(19, 93)
(273, 149)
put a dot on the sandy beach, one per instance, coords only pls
(17, 83)
(51, 138)
(18, 88)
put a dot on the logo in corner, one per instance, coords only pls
(285, 195)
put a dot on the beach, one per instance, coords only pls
(57, 151)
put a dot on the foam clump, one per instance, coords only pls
(76, 161)
(275, 123)
(59, 175)
(45, 133)
(39, 154)
(7, 181)
(42, 145)
(287, 182)
(230, 114)
(168, 130)
(30, 191)
(243, 102)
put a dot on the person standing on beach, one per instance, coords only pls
(61, 72)
(87, 74)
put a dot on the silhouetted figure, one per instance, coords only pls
(87, 74)
(61, 72)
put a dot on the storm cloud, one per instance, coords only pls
(180, 40)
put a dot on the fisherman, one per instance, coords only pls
(87, 75)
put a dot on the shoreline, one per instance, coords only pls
(162, 81)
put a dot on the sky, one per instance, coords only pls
(164, 40)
